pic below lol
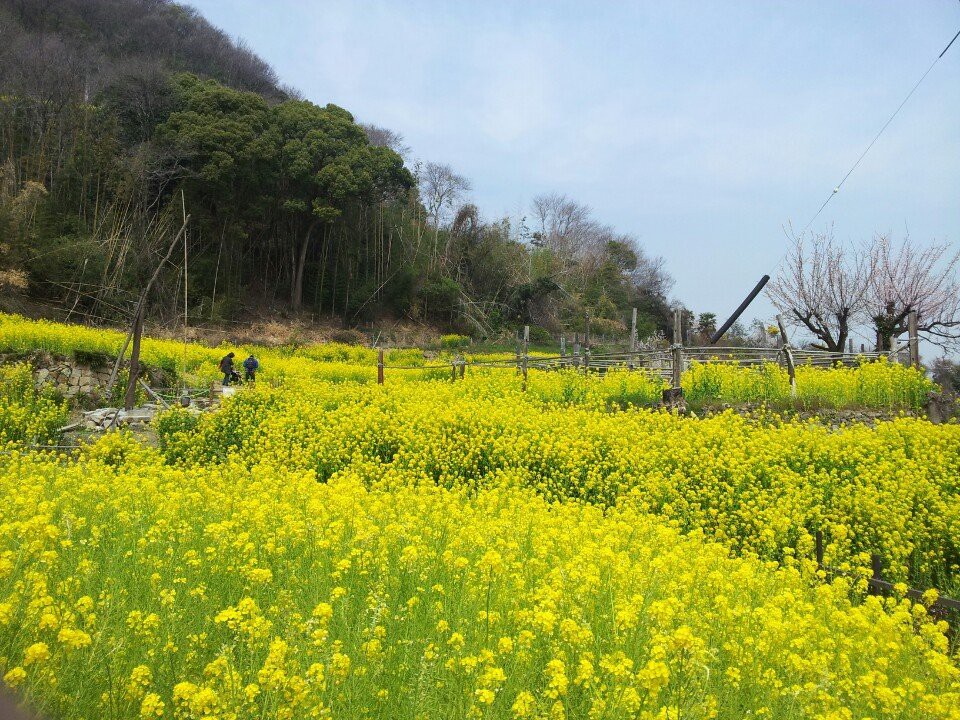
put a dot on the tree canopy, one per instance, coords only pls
(120, 117)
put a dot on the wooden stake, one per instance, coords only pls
(186, 279)
(788, 356)
(130, 398)
(633, 331)
(138, 312)
(914, 339)
(153, 395)
(518, 352)
(677, 349)
(819, 549)
(526, 354)
(380, 366)
(876, 566)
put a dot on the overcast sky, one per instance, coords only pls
(700, 128)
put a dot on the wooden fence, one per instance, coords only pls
(878, 586)
(670, 362)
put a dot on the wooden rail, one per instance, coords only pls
(878, 585)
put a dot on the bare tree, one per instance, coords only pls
(908, 278)
(823, 287)
(565, 226)
(384, 137)
(440, 188)
(650, 275)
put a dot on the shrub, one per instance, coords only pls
(454, 342)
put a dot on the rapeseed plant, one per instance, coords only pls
(416, 600)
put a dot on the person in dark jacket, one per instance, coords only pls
(250, 366)
(226, 367)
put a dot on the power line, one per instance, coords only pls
(896, 112)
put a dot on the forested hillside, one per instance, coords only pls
(121, 117)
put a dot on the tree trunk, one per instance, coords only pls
(296, 293)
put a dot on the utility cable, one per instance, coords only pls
(896, 112)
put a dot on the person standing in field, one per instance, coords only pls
(250, 366)
(226, 367)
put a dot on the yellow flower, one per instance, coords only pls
(485, 696)
(36, 653)
(556, 678)
(73, 639)
(49, 621)
(140, 679)
(151, 706)
(323, 612)
(585, 672)
(653, 676)
(491, 562)
(524, 706)
(15, 677)
(339, 665)
(260, 576)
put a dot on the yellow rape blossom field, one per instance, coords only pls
(875, 385)
(435, 549)
(764, 488)
(133, 588)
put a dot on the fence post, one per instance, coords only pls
(788, 355)
(518, 353)
(563, 346)
(576, 349)
(914, 340)
(633, 331)
(526, 354)
(586, 360)
(677, 349)
(380, 366)
(850, 346)
(586, 331)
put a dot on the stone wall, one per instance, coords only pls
(82, 379)
(74, 380)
